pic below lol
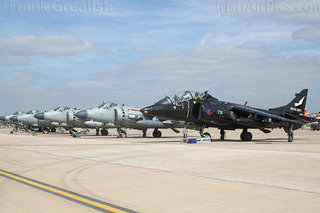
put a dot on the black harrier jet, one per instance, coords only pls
(203, 110)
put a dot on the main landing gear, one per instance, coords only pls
(104, 132)
(245, 135)
(122, 132)
(156, 133)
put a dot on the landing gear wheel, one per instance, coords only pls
(53, 129)
(122, 135)
(206, 135)
(157, 134)
(246, 136)
(104, 132)
(290, 133)
(45, 130)
(122, 132)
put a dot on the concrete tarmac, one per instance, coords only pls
(163, 175)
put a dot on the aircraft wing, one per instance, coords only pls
(261, 113)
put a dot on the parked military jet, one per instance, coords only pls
(203, 110)
(68, 117)
(30, 122)
(126, 117)
(6, 118)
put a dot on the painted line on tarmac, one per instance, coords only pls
(75, 197)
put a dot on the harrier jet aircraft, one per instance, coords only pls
(68, 117)
(126, 117)
(30, 122)
(203, 110)
(6, 118)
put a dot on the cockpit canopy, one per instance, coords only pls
(180, 97)
(103, 106)
(113, 105)
(57, 109)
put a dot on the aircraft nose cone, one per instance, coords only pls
(2, 118)
(39, 115)
(83, 114)
(14, 118)
(149, 110)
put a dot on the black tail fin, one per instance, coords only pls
(296, 106)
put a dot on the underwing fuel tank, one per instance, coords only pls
(151, 123)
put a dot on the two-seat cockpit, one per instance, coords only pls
(180, 97)
(105, 105)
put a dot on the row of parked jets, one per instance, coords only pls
(100, 118)
(192, 110)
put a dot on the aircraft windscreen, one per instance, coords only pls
(185, 96)
(180, 97)
(103, 106)
(56, 109)
(164, 101)
(113, 105)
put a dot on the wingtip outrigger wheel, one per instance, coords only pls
(290, 133)
(222, 134)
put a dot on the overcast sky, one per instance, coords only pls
(79, 53)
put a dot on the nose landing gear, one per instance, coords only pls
(122, 132)
(204, 134)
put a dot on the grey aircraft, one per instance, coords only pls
(127, 117)
(6, 118)
(31, 122)
(67, 116)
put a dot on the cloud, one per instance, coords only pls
(136, 49)
(299, 12)
(249, 71)
(51, 45)
(103, 50)
(309, 34)
(16, 50)
(13, 60)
